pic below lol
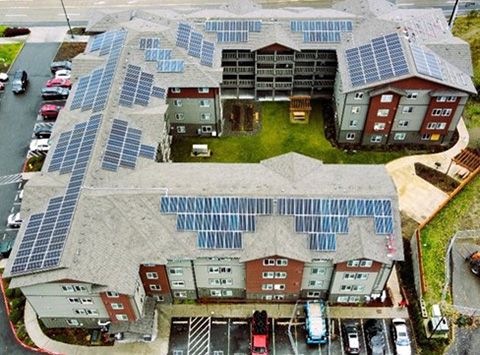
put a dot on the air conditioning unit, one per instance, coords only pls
(214, 133)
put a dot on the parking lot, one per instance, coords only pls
(223, 336)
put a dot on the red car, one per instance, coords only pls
(50, 111)
(260, 330)
(64, 83)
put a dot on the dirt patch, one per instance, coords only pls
(240, 117)
(438, 179)
(408, 226)
(69, 50)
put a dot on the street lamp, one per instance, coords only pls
(68, 20)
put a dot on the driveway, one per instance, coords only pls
(17, 118)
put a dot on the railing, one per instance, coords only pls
(284, 57)
(245, 70)
(307, 83)
(325, 70)
(245, 83)
(304, 70)
(264, 85)
(283, 71)
(238, 56)
(265, 58)
(265, 71)
(283, 85)
(305, 56)
(229, 56)
(323, 83)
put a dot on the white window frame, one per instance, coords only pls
(205, 116)
(155, 287)
(356, 110)
(267, 297)
(178, 102)
(86, 300)
(74, 300)
(178, 283)
(319, 271)
(227, 293)
(436, 112)
(207, 129)
(313, 294)
(386, 98)
(68, 288)
(346, 288)
(379, 126)
(399, 136)
(117, 306)
(361, 276)
(268, 275)
(451, 99)
(215, 293)
(204, 103)
(353, 123)
(227, 282)
(342, 299)
(426, 137)
(225, 270)
(267, 287)
(80, 288)
(353, 299)
(376, 139)
(412, 95)
(282, 262)
(80, 312)
(403, 123)
(441, 125)
(175, 271)
(280, 275)
(214, 282)
(441, 98)
(73, 322)
(158, 298)
(350, 136)
(179, 116)
(349, 276)
(358, 95)
(278, 297)
(353, 263)
(268, 262)
(122, 317)
(180, 294)
(383, 112)
(432, 125)
(366, 263)
(407, 110)
(112, 294)
(181, 129)
(316, 283)
(176, 90)
(279, 287)
(446, 112)
(92, 312)
(152, 275)
(214, 269)
(358, 288)
(203, 90)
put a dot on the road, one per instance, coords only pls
(50, 11)
(17, 118)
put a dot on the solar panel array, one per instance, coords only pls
(152, 55)
(195, 44)
(124, 147)
(46, 233)
(218, 221)
(381, 59)
(233, 30)
(170, 66)
(322, 218)
(322, 241)
(92, 90)
(137, 87)
(149, 43)
(321, 31)
(426, 62)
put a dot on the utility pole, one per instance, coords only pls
(68, 20)
(454, 14)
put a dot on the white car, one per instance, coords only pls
(63, 74)
(14, 220)
(39, 145)
(400, 337)
(3, 77)
(20, 195)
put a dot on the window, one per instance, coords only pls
(358, 288)
(342, 299)
(86, 300)
(205, 116)
(353, 123)
(92, 312)
(379, 126)
(279, 287)
(376, 139)
(362, 276)
(278, 297)
(412, 95)
(316, 283)
(432, 125)
(399, 136)
(225, 270)
(281, 275)
(358, 95)
(80, 312)
(227, 293)
(203, 90)
(268, 262)
(350, 136)
(353, 263)
(227, 282)
(349, 276)
(426, 137)
(345, 288)
(179, 116)
(407, 109)
(206, 129)
(446, 112)
(353, 299)
(386, 98)
(268, 275)
(266, 287)
(436, 112)
(178, 283)
(121, 317)
(213, 269)
(282, 262)
(403, 123)
(319, 271)
(74, 300)
(451, 98)
(81, 288)
(158, 298)
(366, 263)
(73, 322)
(441, 125)
(355, 109)
(204, 103)
(117, 305)
(313, 294)
(383, 112)
(155, 287)
(152, 275)
(267, 297)
(214, 282)
(112, 294)
(178, 103)
(175, 271)
(215, 293)
(180, 294)
(67, 288)
(176, 90)
(441, 98)
(181, 129)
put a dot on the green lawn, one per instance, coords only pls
(278, 136)
(461, 213)
(8, 52)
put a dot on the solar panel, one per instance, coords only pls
(232, 36)
(321, 36)
(195, 44)
(220, 240)
(45, 235)
(206, 57)
(170, 66)
(158, 92)
(322, 242)
(147, 151)
(137, 87)
(381, 59)
(426, 62)
(227, 25)
(183, 35)
(157, 54)
(149, 43)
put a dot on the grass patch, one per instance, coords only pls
(2, 30)
(438, 179)
(278, 136)
(69, 50)
(8, 53)
(35, 164)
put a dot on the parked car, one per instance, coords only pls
(50, 111)
(3, 77)
(6, 247)
(42, 130)
(400, 337)
(64, 83)
(2, 86)
(20, 81)
(14, 220)
(375, 339)
(55, 93)
(56, 66)
(20, 195)
(39, 145)
(352, 343)
(63, 74)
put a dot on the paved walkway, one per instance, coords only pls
(418, 198)
(46, 35)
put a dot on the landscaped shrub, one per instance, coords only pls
(18, 303)
(15, 31)
(10, 292)
(18, 293)
(15, 315)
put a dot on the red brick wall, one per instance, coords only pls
(376, 266)
(127, 307)
(162, 279)
(192, 93)
(430, 118)
(254, 279)
(420, 84)
(375, 105)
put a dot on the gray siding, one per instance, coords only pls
(382, 277)
(339, 281)
(260, 296)
(324, 277)
(205, 278)
(62, 322)
(225, 292)
(187, 277)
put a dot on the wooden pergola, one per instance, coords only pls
(467, 159)
(300, 108)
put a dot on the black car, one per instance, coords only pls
(43, 130)
(55, 93)
(6, 247)
(375, 339)
(20, 81)
(60, 65)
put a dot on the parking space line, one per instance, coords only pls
(363, 337)
(4, 236)
(273, 336)
(12, 209)
(11, 230)
(199, 335)
(228, 337)
(387, 339)
(341, 335)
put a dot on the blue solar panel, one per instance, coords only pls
(220, 240)
(158, 54)
(322, 242)
(149, 43)
(158, 92)
(183, 35)
(233, 25)
(426, 62)
(232, 36)
(195, 44)
(148, 151)
(208, 49)
(170, 66)
(137, 87)
(321, 36)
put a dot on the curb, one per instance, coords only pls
(13, 62)
(7, 307)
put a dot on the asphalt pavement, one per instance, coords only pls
(18, 115)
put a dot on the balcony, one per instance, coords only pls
(272, 72)
(323, 83)
(265, 71)
(284, 58)
(304, 70)
(238, 70)
(301, 56)
(303, 83)
(265, 58)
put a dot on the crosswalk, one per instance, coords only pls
(199, 336)
(10, 179)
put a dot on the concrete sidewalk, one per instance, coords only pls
(46, 35)
(418, 198)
